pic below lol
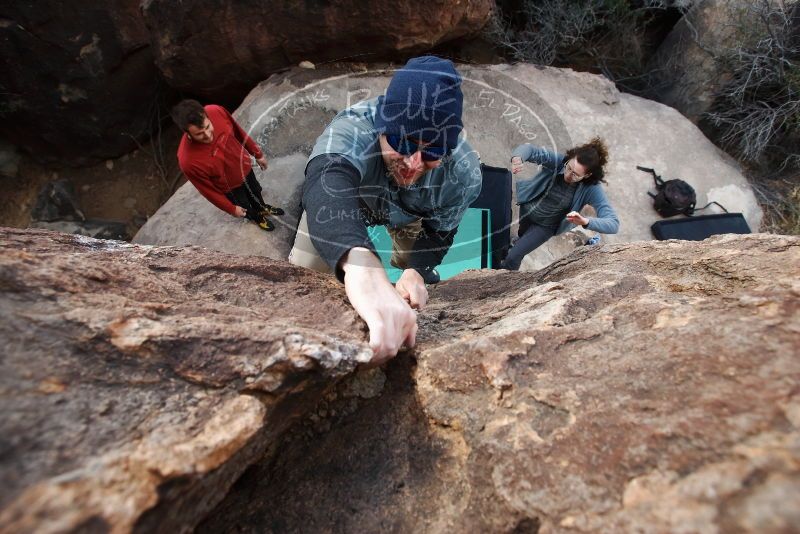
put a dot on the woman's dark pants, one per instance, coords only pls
(531, 237)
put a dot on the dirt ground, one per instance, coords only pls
(128, 189)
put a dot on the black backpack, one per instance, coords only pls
(674, 197)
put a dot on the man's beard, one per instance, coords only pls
(394, 172)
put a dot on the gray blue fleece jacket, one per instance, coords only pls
(606, 221)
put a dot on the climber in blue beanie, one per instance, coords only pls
(398, 160)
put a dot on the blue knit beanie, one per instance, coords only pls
(423, 101)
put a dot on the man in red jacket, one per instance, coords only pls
(214, 154)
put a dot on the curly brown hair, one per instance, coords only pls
(592, 155)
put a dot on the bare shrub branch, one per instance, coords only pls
(604, 35)
(757, 112)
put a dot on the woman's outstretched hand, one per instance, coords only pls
(576, 218)
(516, 164)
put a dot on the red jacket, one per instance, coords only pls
(220, 166)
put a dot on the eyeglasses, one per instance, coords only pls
(568, 168)
(407, 147)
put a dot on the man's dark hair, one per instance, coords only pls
(188, 112)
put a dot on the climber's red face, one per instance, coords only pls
(204, 134)
(405, 170)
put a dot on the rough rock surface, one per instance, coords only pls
(251, 40)
(647, 387)
(650, 387)
(138, 383)
(98, 229)
(504, 106)
(77, 82)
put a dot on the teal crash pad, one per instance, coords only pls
(471, 247)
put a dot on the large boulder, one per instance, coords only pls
(138, 383)
(251, 40)
(78, 84)
(504, 106)
(646, 387)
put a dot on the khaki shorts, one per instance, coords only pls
(304, 254)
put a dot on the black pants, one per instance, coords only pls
(248, 196)
(531, 237)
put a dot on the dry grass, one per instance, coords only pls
(780, 200)
(757, 113)
(605, 36)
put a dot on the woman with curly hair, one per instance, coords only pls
(550, 202)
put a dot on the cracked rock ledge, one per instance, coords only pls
(644, 387)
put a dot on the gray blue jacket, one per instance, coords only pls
(440, 198)
(606, 221)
